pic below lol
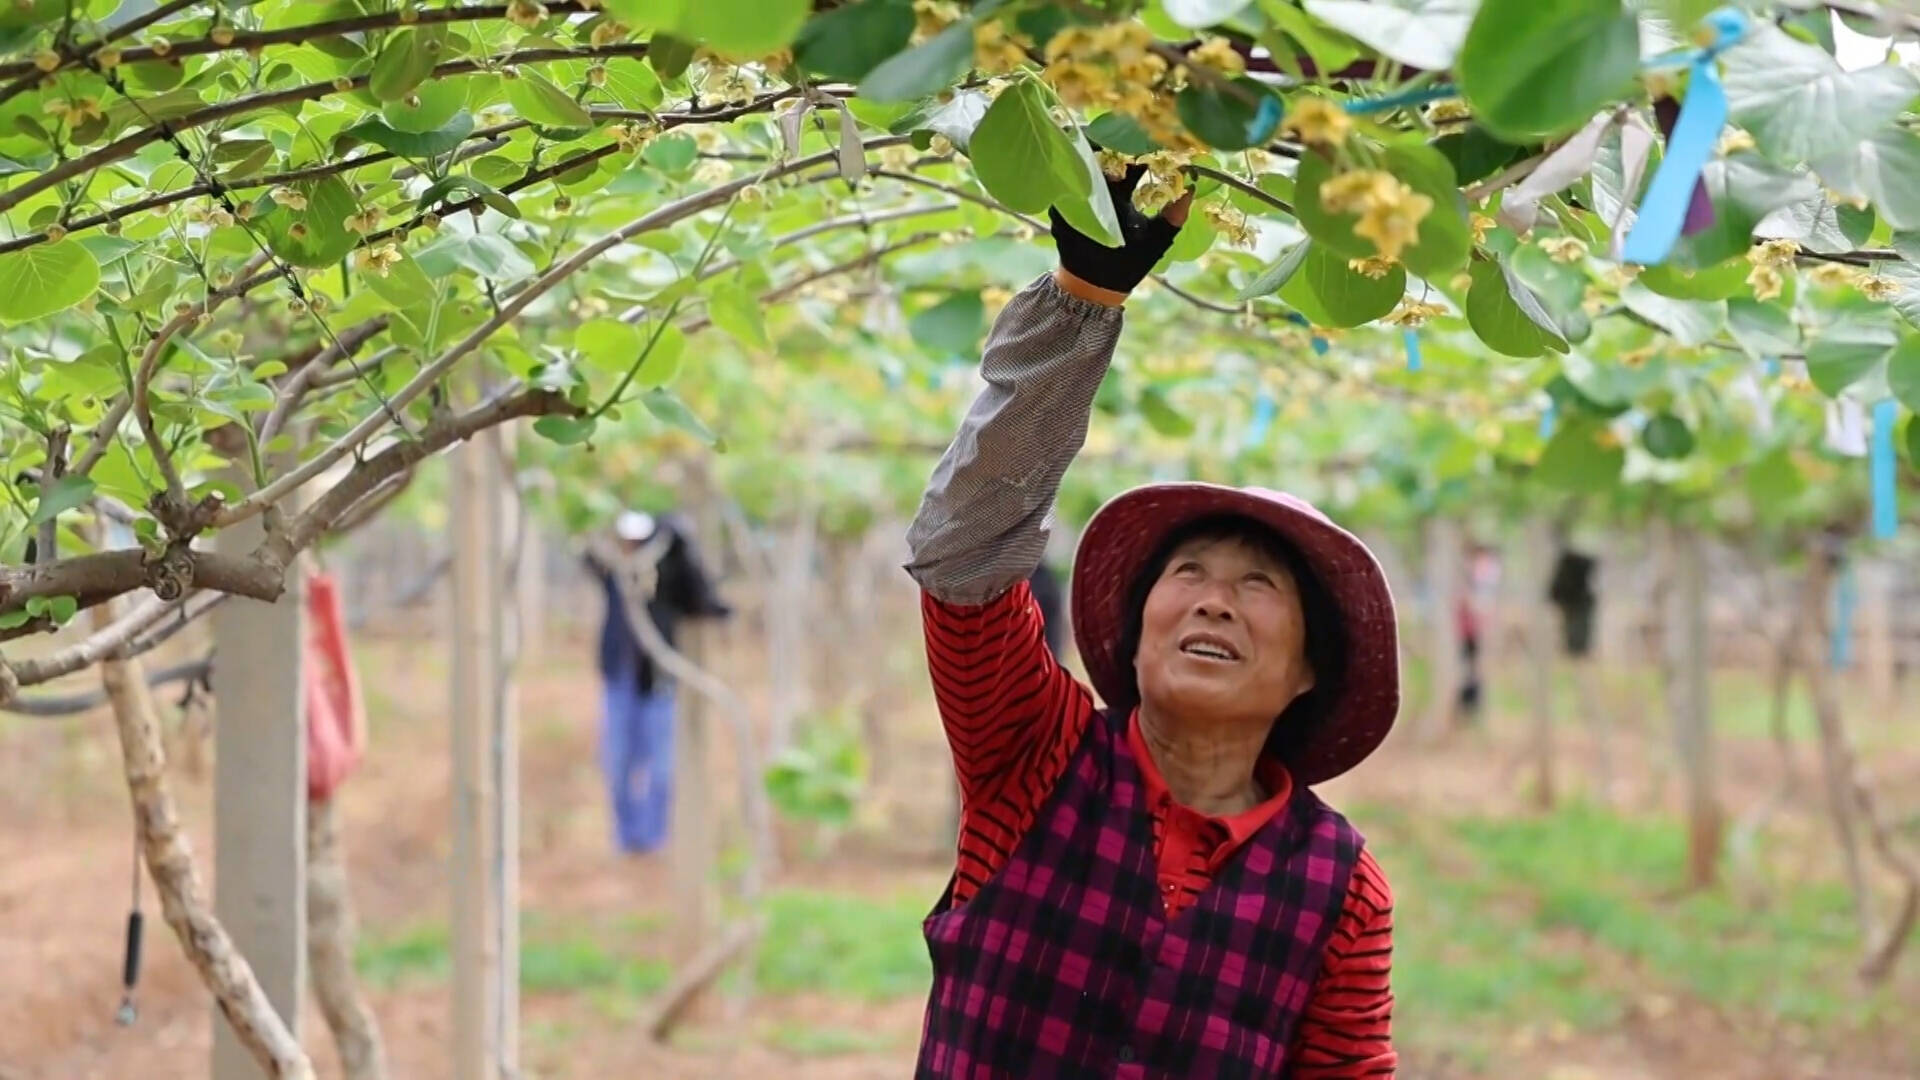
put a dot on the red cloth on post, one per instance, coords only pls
(336, 721)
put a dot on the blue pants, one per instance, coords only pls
(636, 753)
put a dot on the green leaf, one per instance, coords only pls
(1532, 70)
(1021, 158)
(1121, 134)
(1508, 316)
(1903, 372)
(1745, 189)
(1712, 283)
(1424, 33)
(1846, 351)
(1330, 51)
(317, 235)
(445, 188)
(1885, 170)
(672, 153)
(1269, 281)
(63, 608)
(62, 495)
(669, 55)
(538, 101)
(1474, 154)
(1775, 480)
(439, 100)
(565, 430)
(1094, 215)
(406, 58)
(745, 29)
(485, 254)
(1198, 14)
(735, 311)
(927, 68)
(1667, 437)
(1331, 294)
(665, 406)
(40, 280)
(608, 344)
(12, 620)
(958, 117)
(1800, 104)
(1162, 416)
(1579, 458)
(414, 144)
(1761, 329)
(1913, 440)
(1690, 322)
(1241, 114)
(952, 327)
(849, 42)
(405, 286)
(661, 365)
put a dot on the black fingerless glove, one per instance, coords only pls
(1119, 269)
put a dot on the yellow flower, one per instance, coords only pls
(1353, 192)
(897, 158)
(1833, 275)
(993, 297)
(996, 51)
(378, 259)
(1564, 249)
(1734, 141)
(1480, 223)
(1634, 358)
(1413, 313)
(1393, 228)
(1113, 164)
(1155, 192)
(107, 59)
(363, 222)
(75, 111)
(288, 197)
(1766, 281)
(1219, 54)
(1774, 253)
(1317, 122)
(1875, 287)
(608, 31)
(1448, 111)
(939, 145)
(1231, 224)
(162, 47)
(1079, 83)
(526, 13)
(713, 171)
(1593, 301)
(47, 60)
(932, 16)
(56, 233)
(1142, 69)
(632, 136)
(1373, 266)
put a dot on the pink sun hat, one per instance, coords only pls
(1125, 533)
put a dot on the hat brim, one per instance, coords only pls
(1125, 533)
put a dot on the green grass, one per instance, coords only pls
(551, 960)
(807, 1040)
(847, 946)
(1567, 917)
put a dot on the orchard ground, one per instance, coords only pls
(1553, 946)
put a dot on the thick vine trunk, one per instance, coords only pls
(330, 937)
(1849, 800)
(183, 898)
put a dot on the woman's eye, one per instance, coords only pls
(1256, 578)
(1187, 569)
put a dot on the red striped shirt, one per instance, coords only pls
(1013, 716)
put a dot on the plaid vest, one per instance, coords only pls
(1065, 965)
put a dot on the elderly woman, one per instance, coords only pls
(1148, 889)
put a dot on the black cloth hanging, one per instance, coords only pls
(1572, 592)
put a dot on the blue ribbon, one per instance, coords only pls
(1412, 340)
(1703, 115)
(1772, 367)
(1263, 413)
(1319, 343)
(1548, 418)
(1419, 96)
(1886, 518)
(1845, 598)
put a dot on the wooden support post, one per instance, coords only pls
(486, 948)
(1445, 569)
(260, 797)
(694, 835)
(1543, 645)
(1689, 659)
(1878, 581)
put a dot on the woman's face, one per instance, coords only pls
(1222, 636)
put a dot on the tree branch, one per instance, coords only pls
(128, 145)
(433, 372)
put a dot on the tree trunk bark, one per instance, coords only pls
(1689, 704)
(330, 938)
(183, 899)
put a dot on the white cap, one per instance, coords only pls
(633, 525)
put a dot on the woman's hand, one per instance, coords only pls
(1093, 271)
